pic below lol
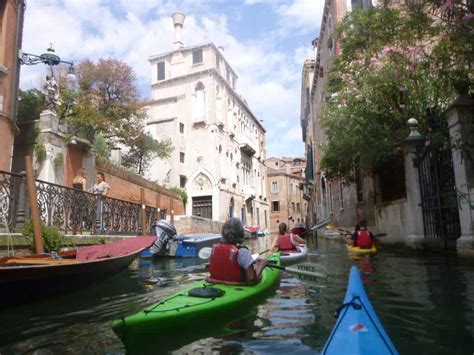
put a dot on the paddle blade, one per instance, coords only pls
(205, 253)
(308, 271)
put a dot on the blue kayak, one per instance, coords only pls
(357, 329)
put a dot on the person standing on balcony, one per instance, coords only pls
(80, 181)
(101, 187)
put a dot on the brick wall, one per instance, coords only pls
(126, 185)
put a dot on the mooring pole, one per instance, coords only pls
(35, 215)
(142, 194)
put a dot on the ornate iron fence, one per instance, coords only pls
(71, 210)
(9, 196)
(438, 187)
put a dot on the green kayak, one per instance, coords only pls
(201, 310)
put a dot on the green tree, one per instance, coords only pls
(30, 105)
(108, 99)
(182, 192)
(102, 148)
(107, 104)
(143, 149)
(395, 63)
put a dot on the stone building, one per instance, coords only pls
(219, 144)
(331, 201)
(11, 29)
(285, 177)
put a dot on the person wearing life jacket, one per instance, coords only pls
(363, 238)
(232, 263)
(285, 241)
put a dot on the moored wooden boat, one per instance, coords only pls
(31, 277)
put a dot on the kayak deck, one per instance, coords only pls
(184, 317)
(358, 329)
(288, 257)
(359, 251)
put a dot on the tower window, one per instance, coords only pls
(161, 71)
(197, 56)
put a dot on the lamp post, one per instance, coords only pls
(51, 59)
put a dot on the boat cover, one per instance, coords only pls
(113, 249)
(253, 229)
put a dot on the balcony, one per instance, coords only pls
(247, 145)
(248, 192)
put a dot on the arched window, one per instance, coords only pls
(199, 103)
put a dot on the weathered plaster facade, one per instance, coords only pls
(219, 145)
(285, 176)
(330, 200)
(11, 29)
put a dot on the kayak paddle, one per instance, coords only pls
(378, 235)
(306, 269)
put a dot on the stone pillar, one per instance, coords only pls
(22, 213)
(49, 120)
(460, 117)
(414, 217)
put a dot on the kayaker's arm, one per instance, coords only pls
(254, 271)
(297, 239)
(274, 246)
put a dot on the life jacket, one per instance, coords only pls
(224, 266)
(364, 241)
(285, 242)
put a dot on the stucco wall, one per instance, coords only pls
(391, 219)
(10, 34)
(192, 224)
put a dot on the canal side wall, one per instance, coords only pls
(194, 224)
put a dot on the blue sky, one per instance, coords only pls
(266, 42)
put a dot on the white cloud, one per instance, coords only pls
(269, 78)
(301, 16)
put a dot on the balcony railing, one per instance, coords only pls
(70, 210)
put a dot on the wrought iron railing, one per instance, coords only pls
(9, 196)
(71, 210)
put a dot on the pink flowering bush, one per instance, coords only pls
(395, 63)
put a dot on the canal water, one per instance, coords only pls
(425, 301)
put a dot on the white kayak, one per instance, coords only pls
(292, 256)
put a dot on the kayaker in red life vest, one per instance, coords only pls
(284, 240)
(232, 263)
(361, 237)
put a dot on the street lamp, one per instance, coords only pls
(49, 58)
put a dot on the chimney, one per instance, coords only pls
(178, 20)
(314, 42)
